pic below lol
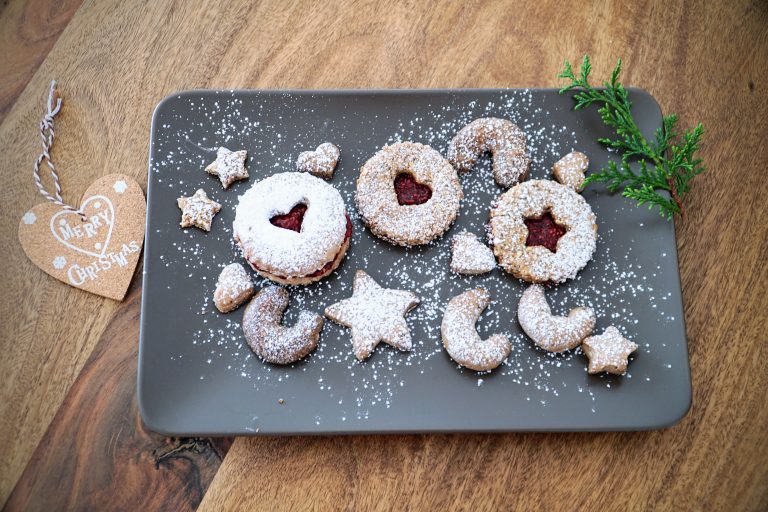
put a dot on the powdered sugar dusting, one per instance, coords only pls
(623, 284)
(282, 251)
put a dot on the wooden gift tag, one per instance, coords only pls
(97, 254)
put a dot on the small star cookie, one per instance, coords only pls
(608, 352)
(374, 314)
(229, 166)
(197, 210)
(470, 256)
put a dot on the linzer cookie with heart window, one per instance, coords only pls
(408, 194)
(293, 228)
(96, 248)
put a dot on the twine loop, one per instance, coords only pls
(47, 135)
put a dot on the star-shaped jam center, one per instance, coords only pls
(543, 231)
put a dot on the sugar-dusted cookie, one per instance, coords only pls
(320, 162)
(608, 352)
(233, 287)
(570, 170)
(197, 210)
(229, 166)
(460, 338)
(374, 314)
(500, 137)
(293, 228)
(570, 225)
(470, 256)
(408, 194)
(551, 332)
(273, 342)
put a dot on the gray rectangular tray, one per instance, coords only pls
(197, 375)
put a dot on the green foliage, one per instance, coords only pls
(667, 162)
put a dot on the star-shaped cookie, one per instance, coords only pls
(197, 210)
(374, 314)
(229, 166)
(608, 352)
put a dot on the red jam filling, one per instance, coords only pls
(409, 191)
(324, 268)
(543, 231)
(291, 220)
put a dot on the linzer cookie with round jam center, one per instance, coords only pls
(292, 228)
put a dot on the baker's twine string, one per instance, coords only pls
(46, 135)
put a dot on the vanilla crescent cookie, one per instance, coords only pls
(408, 194)
(502, 138)
(233, 287)
(292, 228)
(536, 263)
(273, 342)
(321, 162)
(460, 337)
(550, 332)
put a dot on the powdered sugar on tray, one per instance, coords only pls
(615, 284)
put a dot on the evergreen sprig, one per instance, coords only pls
(666, 163)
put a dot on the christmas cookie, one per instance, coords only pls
(374, 314)
(197, 210)
(292, 228)
(548, 331)
(233, 287)
(408, 194)
(273, 342)
(570, 170)
(503, 139)
(542, 231)
(320, 162)
(470, 256)
(608, 352)
(460, 338)
(229, 166)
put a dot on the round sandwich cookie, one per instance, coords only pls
(292, 228)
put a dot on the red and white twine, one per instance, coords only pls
(47, 136)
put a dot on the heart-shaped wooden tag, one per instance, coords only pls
(97, 254)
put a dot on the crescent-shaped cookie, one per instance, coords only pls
(551, 332)
(460, 337)
(268, 338)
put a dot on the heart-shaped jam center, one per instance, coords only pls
(291, 220)
(409, 191)
(543, 231)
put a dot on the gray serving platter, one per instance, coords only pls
(198, 377)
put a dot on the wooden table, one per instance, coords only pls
(70, 435)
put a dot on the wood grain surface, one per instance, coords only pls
(115, 60)
(96, 455)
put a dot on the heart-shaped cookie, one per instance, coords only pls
(97, 254)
